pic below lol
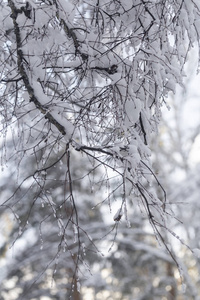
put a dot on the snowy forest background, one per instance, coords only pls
(100, 140)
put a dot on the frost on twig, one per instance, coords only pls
(117, 217)
(85, 82)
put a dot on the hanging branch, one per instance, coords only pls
(21, 62)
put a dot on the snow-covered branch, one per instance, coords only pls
(86, 81)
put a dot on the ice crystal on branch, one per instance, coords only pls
(91, 77)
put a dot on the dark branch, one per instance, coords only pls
(23, 73)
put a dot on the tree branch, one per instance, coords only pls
(23, 73)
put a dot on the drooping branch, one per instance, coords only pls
(23, 73)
